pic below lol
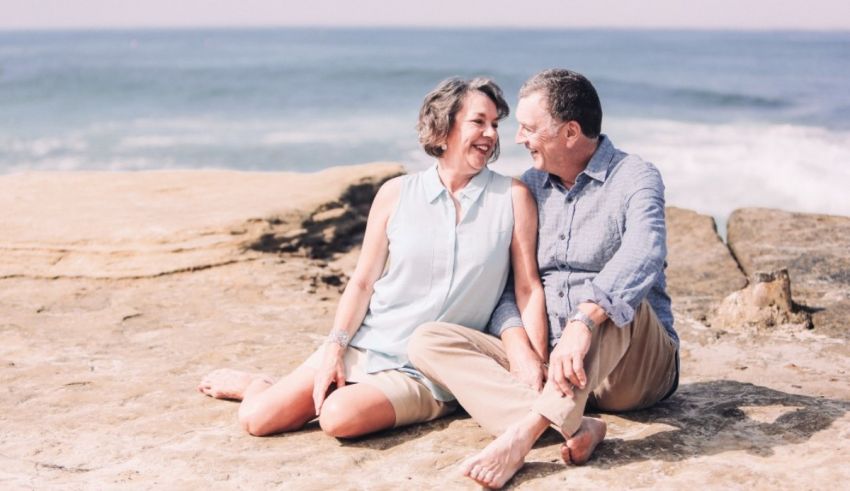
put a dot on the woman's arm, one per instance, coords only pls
(527, 286)
(527, 347)
(355, 299)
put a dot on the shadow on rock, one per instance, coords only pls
(387, 439)
(715, 417)
(709, 418)
(334, 228)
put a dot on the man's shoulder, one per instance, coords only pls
(632, 169)
(534, 179)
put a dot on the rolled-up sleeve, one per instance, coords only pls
(635, 267)
(506, 314)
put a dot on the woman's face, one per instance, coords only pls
(473, 135)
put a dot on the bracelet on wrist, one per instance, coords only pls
(338, 337)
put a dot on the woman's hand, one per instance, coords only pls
(331, 371)
(528, 369)
(524, 362)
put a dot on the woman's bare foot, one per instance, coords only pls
(579, 447)
(226, 383)
(503, 457)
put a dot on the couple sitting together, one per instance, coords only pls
(446, 305)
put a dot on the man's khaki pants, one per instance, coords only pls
(627, 368)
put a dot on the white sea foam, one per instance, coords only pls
(351, 130)
(165, 141)
(43, 146)
(716, 168)
(711, 168)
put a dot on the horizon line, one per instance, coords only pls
(417, 27)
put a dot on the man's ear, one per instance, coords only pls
(573, 129)
(572, 132)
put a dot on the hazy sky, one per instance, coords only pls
(704, 14)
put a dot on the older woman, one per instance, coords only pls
(451, 234)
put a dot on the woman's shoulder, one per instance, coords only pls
(389, 192)
(522, 197)
(500, 183)
(512, 185)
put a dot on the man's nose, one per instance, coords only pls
(520, 136)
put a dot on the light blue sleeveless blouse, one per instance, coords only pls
(438, 271)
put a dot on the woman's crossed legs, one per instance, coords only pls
(287, 405)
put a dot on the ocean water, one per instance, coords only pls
(732, 119)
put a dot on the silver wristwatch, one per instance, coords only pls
(584, 319)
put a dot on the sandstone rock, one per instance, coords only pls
(814, 248)
(143, 224)
(701, 271)
(110, 366)
(764, 303)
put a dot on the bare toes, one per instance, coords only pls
(565, 454)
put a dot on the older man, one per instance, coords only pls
(601, 255)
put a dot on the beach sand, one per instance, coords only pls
(118, 292)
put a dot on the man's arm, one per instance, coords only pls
(621, 285)
(506, 314)
(627, 278)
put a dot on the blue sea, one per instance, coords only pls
(732, 119)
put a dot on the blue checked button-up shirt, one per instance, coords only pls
(603, 241)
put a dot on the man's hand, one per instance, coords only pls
(524, 363)
(566, 363)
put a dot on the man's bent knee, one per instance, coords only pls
(425, 339)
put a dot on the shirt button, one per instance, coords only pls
(562, 236)
(569, 199)
(561, 294)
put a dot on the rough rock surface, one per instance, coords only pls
(700, 269)
(120, 225)
(814, 248)
(99, 370)
(764, 304)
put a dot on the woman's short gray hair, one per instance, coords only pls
(441, 105)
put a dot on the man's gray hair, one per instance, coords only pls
(441, 105)
(570, 97)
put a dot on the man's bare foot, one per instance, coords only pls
(226, 383)
(503, 457)
(579, 447)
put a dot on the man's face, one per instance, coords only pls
(540, 133)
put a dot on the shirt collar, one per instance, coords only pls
(597, 167)
(434, 187)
